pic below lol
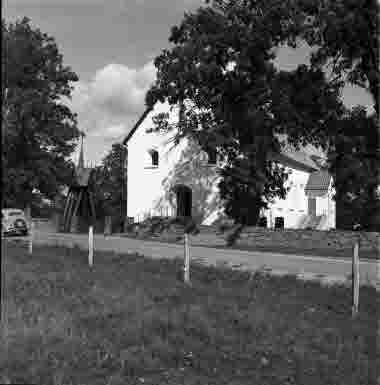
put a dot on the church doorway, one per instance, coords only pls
(184, 200)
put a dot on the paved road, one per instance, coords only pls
(333, 269)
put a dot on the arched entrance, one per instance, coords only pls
(184, 200)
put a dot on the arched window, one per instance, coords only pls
(184, 200)
(154, 157)
(212, 156)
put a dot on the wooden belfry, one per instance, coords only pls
(79, 208)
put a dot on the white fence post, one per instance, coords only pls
(378, 270)
(108, 225)
(378, 285)
(187, 259)
(355, 280)
(31, 236)
(4, 318)
(90, 246)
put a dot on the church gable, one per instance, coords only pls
(156, 167)
(306, 159)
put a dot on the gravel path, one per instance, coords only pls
(328, 270)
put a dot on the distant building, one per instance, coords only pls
(168, 180)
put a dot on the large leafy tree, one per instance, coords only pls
(354, 160)
(344, 36)
(236, 101)
(39, 130)
(110, 183)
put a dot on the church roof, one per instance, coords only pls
(299, 159)
(318, 182)
(137, 125)
(81, 155)
(82, 176)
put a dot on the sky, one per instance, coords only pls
(111, 45)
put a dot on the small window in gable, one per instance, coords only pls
(154, 157)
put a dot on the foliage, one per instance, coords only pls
(109, 179)
(190, 226)
(158, 225)
(343, 35)
(247, 186)
(344, 38)
(354, 161)
(41, 207)
(233, 234)
(38, 128)
(235, 100)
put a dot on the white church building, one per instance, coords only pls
(168, 180)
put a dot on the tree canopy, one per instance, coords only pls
(221, 67)
(355, 162)
(39, 130)
(109, 180)
(344, 37)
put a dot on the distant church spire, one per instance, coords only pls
(81, 156)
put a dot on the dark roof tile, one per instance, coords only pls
(318, 181)
(82, 176)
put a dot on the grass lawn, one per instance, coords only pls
(131, 320)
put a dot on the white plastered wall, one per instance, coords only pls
(148, 187)
(144, 181)
(294, 207)
(325, 206)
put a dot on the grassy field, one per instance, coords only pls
(131, 320)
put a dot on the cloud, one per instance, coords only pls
(121, 90)
(120, 3)
(112, 131)
(109, 104)
(42, 3)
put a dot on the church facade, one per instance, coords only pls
(168, 180)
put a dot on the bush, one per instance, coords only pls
(159, 225)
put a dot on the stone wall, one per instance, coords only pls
(309, 239)
(340, 243)
(263, 238)
(251, 237)
(44, 224)
(165, 229)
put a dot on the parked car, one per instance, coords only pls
(13, 222)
